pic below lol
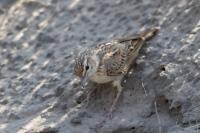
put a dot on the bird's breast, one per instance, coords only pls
(101, 78)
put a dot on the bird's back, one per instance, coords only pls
(117, 55)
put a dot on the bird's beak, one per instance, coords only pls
(84, 81)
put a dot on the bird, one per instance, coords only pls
(111, 61)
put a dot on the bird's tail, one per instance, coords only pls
(149, 33)
(137, 42)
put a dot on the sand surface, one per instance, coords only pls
(39, 40)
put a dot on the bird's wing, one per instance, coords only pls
(122, 40)
(133, 45)
(113, 58)
(116, 56)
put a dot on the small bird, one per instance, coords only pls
(111, 61)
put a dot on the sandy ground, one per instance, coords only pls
(39, 40)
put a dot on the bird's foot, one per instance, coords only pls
(87, 100)
(109, 114)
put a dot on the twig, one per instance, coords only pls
(144, 89)
(158, 117)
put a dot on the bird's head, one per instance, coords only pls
(86, 65)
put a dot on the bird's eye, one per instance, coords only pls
(87, 67)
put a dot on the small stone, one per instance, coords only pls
(84, 114)
(64, 106)
(4, 102)
(21, 25)
(45, 38)
(47, 96)
(59, 91)
(48, 130)
(49, 54)
(76, 120)
(13, 116)
(79, 97)
(91, 9)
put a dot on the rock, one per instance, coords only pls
(76, 120)
(59, 90)
(64, 106)
(47, 96)
(79, 97)
(4, 102)
(13, 116)
(48, 130)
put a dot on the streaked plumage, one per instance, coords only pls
(110, 61)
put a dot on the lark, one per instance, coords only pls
(111, 61)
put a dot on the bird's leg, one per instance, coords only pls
(116, 83)
(89, 93)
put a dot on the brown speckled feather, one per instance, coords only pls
(115, 55)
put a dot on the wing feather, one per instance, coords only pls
(113, 58)
(116, 56)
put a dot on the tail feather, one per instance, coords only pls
(149, 33)
(144, 35)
